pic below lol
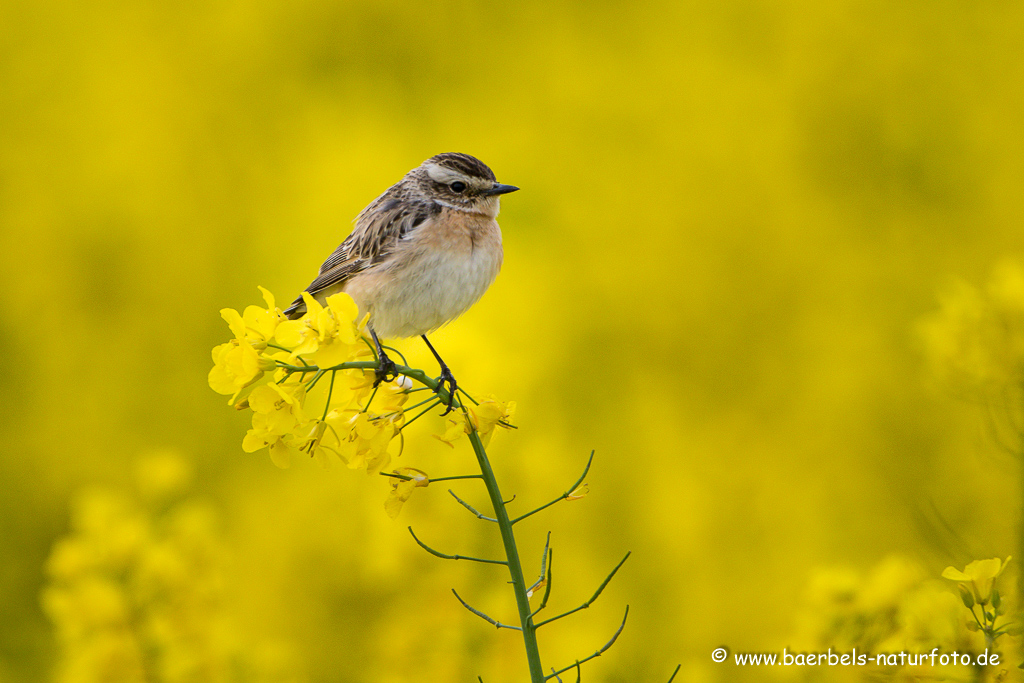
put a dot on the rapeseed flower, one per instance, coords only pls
(238, 363)
(978, 577)
(352, 417)
(364, 437)
(892, 607)
(976, 341)
(352, 434)
(481, 418)
(277, 417)
(401, 489)
(328, 335)
(135, 591)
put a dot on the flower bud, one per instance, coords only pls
(966, 596)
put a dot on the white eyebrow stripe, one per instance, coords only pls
(444, 175)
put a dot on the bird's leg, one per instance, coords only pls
(386, 370)
(445, 378)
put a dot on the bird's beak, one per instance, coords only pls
(500, 189)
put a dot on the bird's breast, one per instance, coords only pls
(434, 276)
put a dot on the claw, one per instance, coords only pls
(447, 378)
(386, 370)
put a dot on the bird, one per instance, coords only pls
(420, 255)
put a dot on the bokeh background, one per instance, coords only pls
(733, 217)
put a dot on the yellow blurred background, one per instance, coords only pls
(733, 217)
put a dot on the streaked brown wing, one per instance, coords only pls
(339, 267)
(378, 229)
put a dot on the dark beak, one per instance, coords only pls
(500, 189)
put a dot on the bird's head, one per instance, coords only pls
(461, 182)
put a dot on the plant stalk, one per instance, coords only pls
(515, 567)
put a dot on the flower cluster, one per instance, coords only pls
(272, 366)
(896, 607)
(978, 590)
(976, 341)
(294, 356)
(136, 590)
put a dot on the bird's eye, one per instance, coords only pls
(458, 186)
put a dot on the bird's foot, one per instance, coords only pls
(446, 378)
(386, 370)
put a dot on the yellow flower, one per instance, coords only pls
(238, 363)
(976, 341)
(328, 335)
(277, 420)
(262, 323)
(361, 439)
(351, 388)
(280, 405)
(150, 610)
(162, 474)
(482, 418)
(391, 396)
(490, 413)
(455, 426)
(255, 324)
(401, 489)
(315, 444)
(978, 577)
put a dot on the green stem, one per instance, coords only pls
(515, 567)
(412, 373)
(394, 475)
(330, 392)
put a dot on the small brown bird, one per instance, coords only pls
(421, 255)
